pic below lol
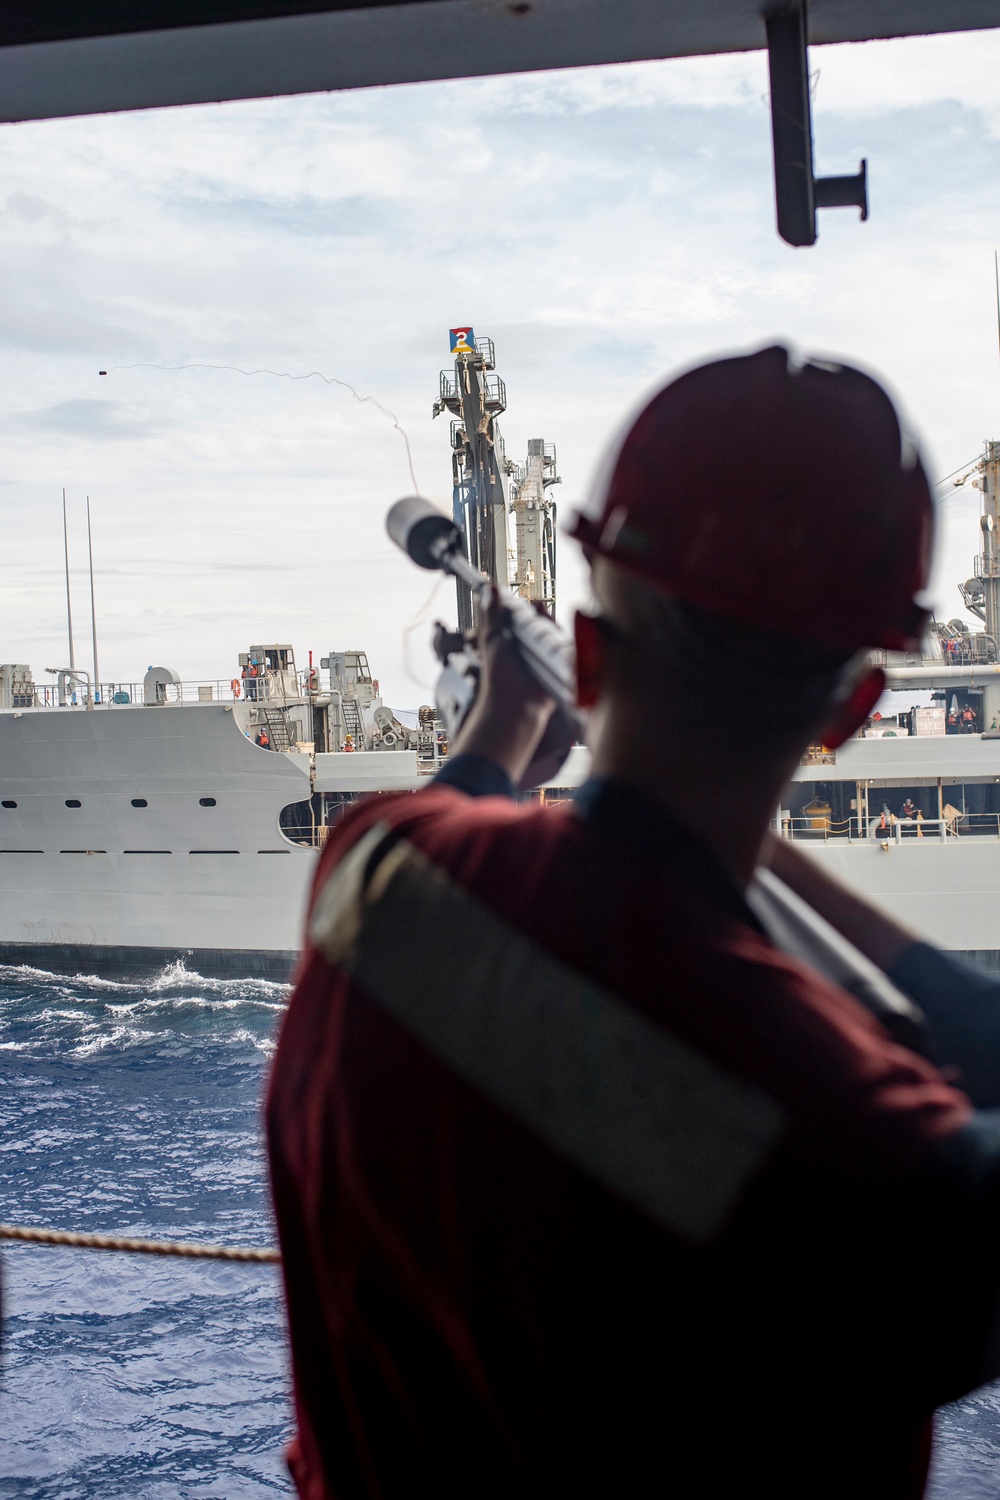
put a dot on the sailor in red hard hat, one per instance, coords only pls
(584, 1186)
(808, 514)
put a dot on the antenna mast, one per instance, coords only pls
(93, 608)
(69, 607)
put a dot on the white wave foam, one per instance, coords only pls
(265, 1044)
(120, 1037)
(232, 991)
(178, 974)
(12, 972)
(175, 1004)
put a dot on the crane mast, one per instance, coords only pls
(487, 488)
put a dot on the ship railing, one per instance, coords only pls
(976, 650)
(494, 393)
(267, 688)
(986, 565)
(956, 825)
(820, 829)
(894, 830)
(198, 690)
(818, 755)
(974, 825)
(969, 650)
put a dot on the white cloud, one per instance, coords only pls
(604, 226)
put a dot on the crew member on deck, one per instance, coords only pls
(584, 1187)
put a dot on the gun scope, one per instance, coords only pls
(423, 532)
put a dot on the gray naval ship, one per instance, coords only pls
(150, 822)
(163, 820)
(146, 823)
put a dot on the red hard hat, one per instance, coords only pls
(778, 493)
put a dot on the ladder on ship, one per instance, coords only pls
(277, 728)
(352, 722)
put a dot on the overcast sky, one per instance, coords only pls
(602, 225)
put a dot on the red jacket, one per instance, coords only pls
(585, 1189)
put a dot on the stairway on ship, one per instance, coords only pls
(276, 724)
(352, 722)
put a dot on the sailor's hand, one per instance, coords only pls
(511, 712)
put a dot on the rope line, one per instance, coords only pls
(287, 375)
(136, 1246)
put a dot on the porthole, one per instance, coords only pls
(7, 802)
(139, 802)
(206, 801)
(72, 802)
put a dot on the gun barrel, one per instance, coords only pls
(431, 539)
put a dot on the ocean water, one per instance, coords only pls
(135, 1109)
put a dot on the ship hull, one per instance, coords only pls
(134, 838)
(948, 893)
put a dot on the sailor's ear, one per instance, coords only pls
(852, 712)
(590, 650)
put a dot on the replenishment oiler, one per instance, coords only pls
(150, 822)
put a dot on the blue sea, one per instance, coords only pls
(135, 1109)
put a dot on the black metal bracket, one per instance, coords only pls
(798, 194)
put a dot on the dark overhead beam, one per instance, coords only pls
(24, 23)
(71, 57)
